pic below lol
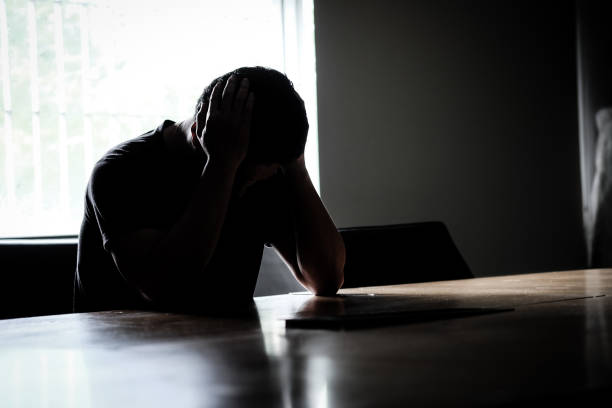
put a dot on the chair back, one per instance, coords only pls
(405, 253)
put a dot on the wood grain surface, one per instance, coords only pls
(554, 348)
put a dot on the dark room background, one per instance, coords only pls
(460, 111)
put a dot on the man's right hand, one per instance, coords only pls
(160, 262)
(223, 124)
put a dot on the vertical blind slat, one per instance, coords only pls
(85, 94)
(61, 106)
(9, 172)
(34, 90)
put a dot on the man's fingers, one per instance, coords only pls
(248, 110)
(201, 118)
(241, 96)
(203, 108)
(228, 94)
(215, 97)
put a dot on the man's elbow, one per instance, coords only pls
(326, 289)
(329, 282)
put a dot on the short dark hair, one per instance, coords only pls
(279, 125)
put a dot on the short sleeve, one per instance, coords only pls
(113, 200)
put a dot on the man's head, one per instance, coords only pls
(279, 125)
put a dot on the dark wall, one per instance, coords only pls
(37, 276)
(458, 111)
(594, 42)
(595, 36)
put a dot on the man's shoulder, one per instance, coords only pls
(135, 152)
(128, 160)
(143, 146)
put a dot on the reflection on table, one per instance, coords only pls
(554, 346)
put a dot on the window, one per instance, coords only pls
(79, 76)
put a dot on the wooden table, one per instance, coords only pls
(555, 346)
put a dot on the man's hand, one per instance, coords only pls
(223, 124)
(296, 166)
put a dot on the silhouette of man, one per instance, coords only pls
(176, 219)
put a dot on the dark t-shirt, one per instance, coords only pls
(142, 184)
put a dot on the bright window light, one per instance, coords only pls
(79, 76)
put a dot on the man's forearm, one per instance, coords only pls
(320, 249)
(189, 245)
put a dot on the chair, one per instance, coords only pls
(405, 253)
(36, 276)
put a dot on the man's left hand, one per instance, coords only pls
(296, 167)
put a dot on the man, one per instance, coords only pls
(176, 219)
